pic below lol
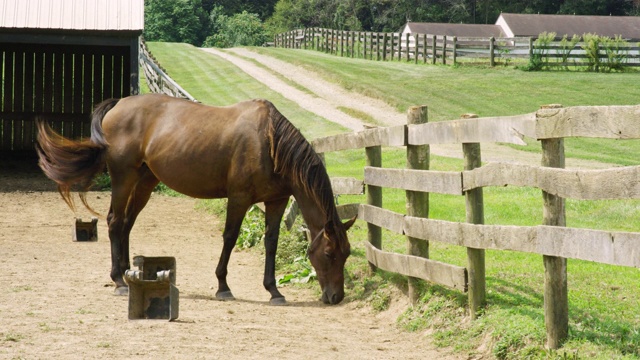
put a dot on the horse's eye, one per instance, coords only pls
(329, 256)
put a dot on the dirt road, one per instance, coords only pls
(325, 98)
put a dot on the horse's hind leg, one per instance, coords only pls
(273, 217)
(236, 210)
(130, 193)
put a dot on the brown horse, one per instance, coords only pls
(247, 152)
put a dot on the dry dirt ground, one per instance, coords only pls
(56, 297)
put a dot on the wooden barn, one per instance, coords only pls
(60, 58)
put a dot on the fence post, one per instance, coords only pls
(399, 46)
(444, 50)
(417, 202)
(530, 48)
(353, 43)
(384, 47)
(374, 198)
(474, 201)
(371, 45)
(492, 56)
(304, 38)
(424, 48)
(393, 43)
(406, 37)
(364, 45)
(433, 49)
(556, 304)
(341, 43)
(416, 39)
(455, 43)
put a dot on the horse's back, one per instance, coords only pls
(199, 150)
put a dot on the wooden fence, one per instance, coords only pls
(157, 79)
(429, 48)
(551, 239)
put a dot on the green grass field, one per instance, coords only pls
(604, 305)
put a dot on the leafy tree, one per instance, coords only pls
(242, 29)
(175, 21)
(263, 8)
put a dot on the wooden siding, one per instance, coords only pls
(60, 83)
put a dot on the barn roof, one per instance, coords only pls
(94, 15)
(470, 30)
(533, 25)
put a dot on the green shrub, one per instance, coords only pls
(540, 53)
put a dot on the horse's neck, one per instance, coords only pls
(311, 211)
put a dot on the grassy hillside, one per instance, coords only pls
(604, 300)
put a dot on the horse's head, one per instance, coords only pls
(328, 253)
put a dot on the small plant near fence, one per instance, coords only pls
(539, 59)
(566, 47)
(592, 52)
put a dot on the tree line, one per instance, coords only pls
(225, 23)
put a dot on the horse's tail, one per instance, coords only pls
(73, 163)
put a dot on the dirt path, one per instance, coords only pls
(56, 302)
(327, 98)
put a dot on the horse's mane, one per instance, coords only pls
(294, 158)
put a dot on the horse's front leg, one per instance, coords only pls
(236, 211)
(273, 217)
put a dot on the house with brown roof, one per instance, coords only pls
(462, 30)
(532, 25)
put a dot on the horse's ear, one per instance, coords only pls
(329, 229)
(349, 223)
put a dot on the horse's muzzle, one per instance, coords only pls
(332, 297)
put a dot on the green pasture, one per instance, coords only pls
(604, 301)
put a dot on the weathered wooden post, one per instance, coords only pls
(444, 50)
(384, 47)
(371, 45)
(433, 49)
(454, 44)
(393, 42)
(399, 46)
(416, 38)
(474, 201)
(304, 38)
(417, 202)
(492, 55)
(408, 49)
(374, 198)
(424, 48)
(341, 43)
(364, 45)
(530, 48)
(556, 303)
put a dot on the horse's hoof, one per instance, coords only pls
(225, 296)
(121, 291)
(279, 301)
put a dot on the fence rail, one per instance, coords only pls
(432, 48)
(556, 243)
(157, 78)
